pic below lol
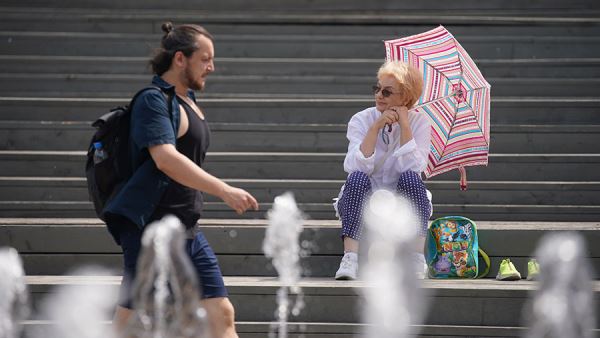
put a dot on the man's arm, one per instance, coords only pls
(185, 172)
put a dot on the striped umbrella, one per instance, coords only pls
(456, 98)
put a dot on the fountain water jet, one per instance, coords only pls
(14, 306)
(563, 306)
(281, 244)
(166, 296)
(394, 298)
(80, 310)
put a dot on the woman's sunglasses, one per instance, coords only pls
(385, 92)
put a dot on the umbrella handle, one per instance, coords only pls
(389, 127)
(463, 178)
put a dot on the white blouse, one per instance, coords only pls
(412, 155)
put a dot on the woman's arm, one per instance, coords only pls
(406, 133)
(415, 140)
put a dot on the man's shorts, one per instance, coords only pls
(202, 257)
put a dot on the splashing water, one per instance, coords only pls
(281, 244)
(394, 300)
(14, 306)
(166, 292)
(563, 306)
(80, 310)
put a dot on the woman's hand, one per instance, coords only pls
(394, 114)
(401, 112)
(389, 117)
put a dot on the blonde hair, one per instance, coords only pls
(408, 77)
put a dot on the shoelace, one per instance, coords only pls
(346, 262)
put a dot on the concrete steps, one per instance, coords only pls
(313, 210)
(283, 46)
(463, 302)
(295, 109)
(461, 6)
(271, 165)
(336, 330)
(505, 139)
(308, 20)
(496, 68)
(62, 189)
(238, 244)
(113, 85)
(289, 76)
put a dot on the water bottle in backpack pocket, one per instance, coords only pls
(452, 249)
(99, 153)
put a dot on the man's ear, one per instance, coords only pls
(179, 59)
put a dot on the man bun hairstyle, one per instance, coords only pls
(167, 27)
(180, 38)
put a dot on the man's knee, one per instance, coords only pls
(227, 312)
(220, 310)
(358, 179)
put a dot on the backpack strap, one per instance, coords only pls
(486, 260)
(167, 96)
(104, 118)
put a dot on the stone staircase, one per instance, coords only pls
(289, 76)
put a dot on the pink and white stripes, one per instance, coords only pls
(456, 98)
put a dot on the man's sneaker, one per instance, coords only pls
(419, 265)
(507, 271)
(533, 269)
(348, 267)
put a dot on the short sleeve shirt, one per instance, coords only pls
(152, 123)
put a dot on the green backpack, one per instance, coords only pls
(452, 249)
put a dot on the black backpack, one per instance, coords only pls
(109, 171)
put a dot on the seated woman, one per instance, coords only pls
(380, 158)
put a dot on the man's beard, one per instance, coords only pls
(190, 82)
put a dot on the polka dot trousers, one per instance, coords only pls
(358, 188)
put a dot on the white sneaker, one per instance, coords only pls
(348, 267)
(420, 265)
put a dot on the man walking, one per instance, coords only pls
(169, 137)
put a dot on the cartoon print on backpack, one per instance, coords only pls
(450, 232)
(443, 264)
(460, 263)
(437, 234)
(466, 231)
(453, 249)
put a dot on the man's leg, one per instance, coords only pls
(121, 318)
(130, 240)
(218, 307)
(221, 316)
(220, 312)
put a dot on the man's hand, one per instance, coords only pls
(238, 199)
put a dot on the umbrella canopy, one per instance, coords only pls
(456, 98)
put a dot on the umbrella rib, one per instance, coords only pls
(478, 124)
(452, 126)
(430, 65)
